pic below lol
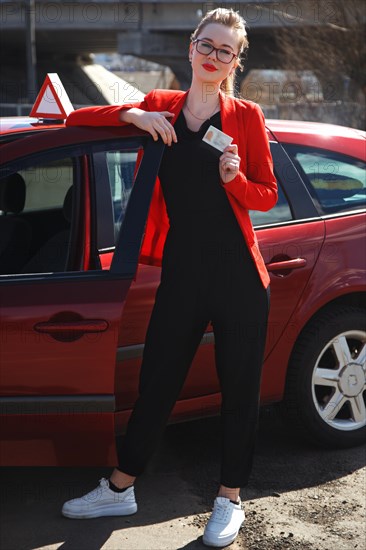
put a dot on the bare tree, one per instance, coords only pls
(331, 43)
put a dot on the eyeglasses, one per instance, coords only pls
(205, 48)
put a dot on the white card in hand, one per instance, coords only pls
(216, 138)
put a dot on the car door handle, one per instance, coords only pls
(292, 263)
(82, 326)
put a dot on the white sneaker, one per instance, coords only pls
(102, 501)
(224, 524)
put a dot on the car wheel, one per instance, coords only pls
(325, 394)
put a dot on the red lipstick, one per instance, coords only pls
(209, 67)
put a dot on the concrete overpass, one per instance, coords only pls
(155, 30)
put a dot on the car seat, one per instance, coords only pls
(15, 232)
(53, 254)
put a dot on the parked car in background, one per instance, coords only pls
(74, 311)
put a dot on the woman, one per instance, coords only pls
(212, 269)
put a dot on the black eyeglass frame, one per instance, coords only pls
(214, 49)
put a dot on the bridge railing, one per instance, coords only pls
(15, 109)
(337, 112)
(21, 109)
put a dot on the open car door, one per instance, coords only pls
(60, 312)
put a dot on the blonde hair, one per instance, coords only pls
(232, 19)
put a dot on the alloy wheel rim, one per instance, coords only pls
(339, 381)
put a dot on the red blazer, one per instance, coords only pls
(254, 188)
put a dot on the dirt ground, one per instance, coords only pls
(299, 497)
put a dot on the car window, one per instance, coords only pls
(281, 212)
(36, 210)
(63, 209)
(121, 168)
(115, 173)
(336, 182)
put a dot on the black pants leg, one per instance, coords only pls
(177, 324)
(239, 346)
(239, 319)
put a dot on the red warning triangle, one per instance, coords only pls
(52, 100)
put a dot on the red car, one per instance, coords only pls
(73, 318)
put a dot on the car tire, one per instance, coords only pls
(325, 385)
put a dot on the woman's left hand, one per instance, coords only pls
(229, 163)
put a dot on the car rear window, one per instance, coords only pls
(336, 182)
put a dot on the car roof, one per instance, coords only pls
(16, 125)
(341, 139)
(304, 127)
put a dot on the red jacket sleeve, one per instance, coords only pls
(255, 186)
(107, 115)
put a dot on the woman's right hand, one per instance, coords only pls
(154, 122)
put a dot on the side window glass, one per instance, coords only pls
(336, 182)
(36, 205)
(281, 212)
(114, 175)
(121, 169)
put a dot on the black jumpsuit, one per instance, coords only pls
(207, 275)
